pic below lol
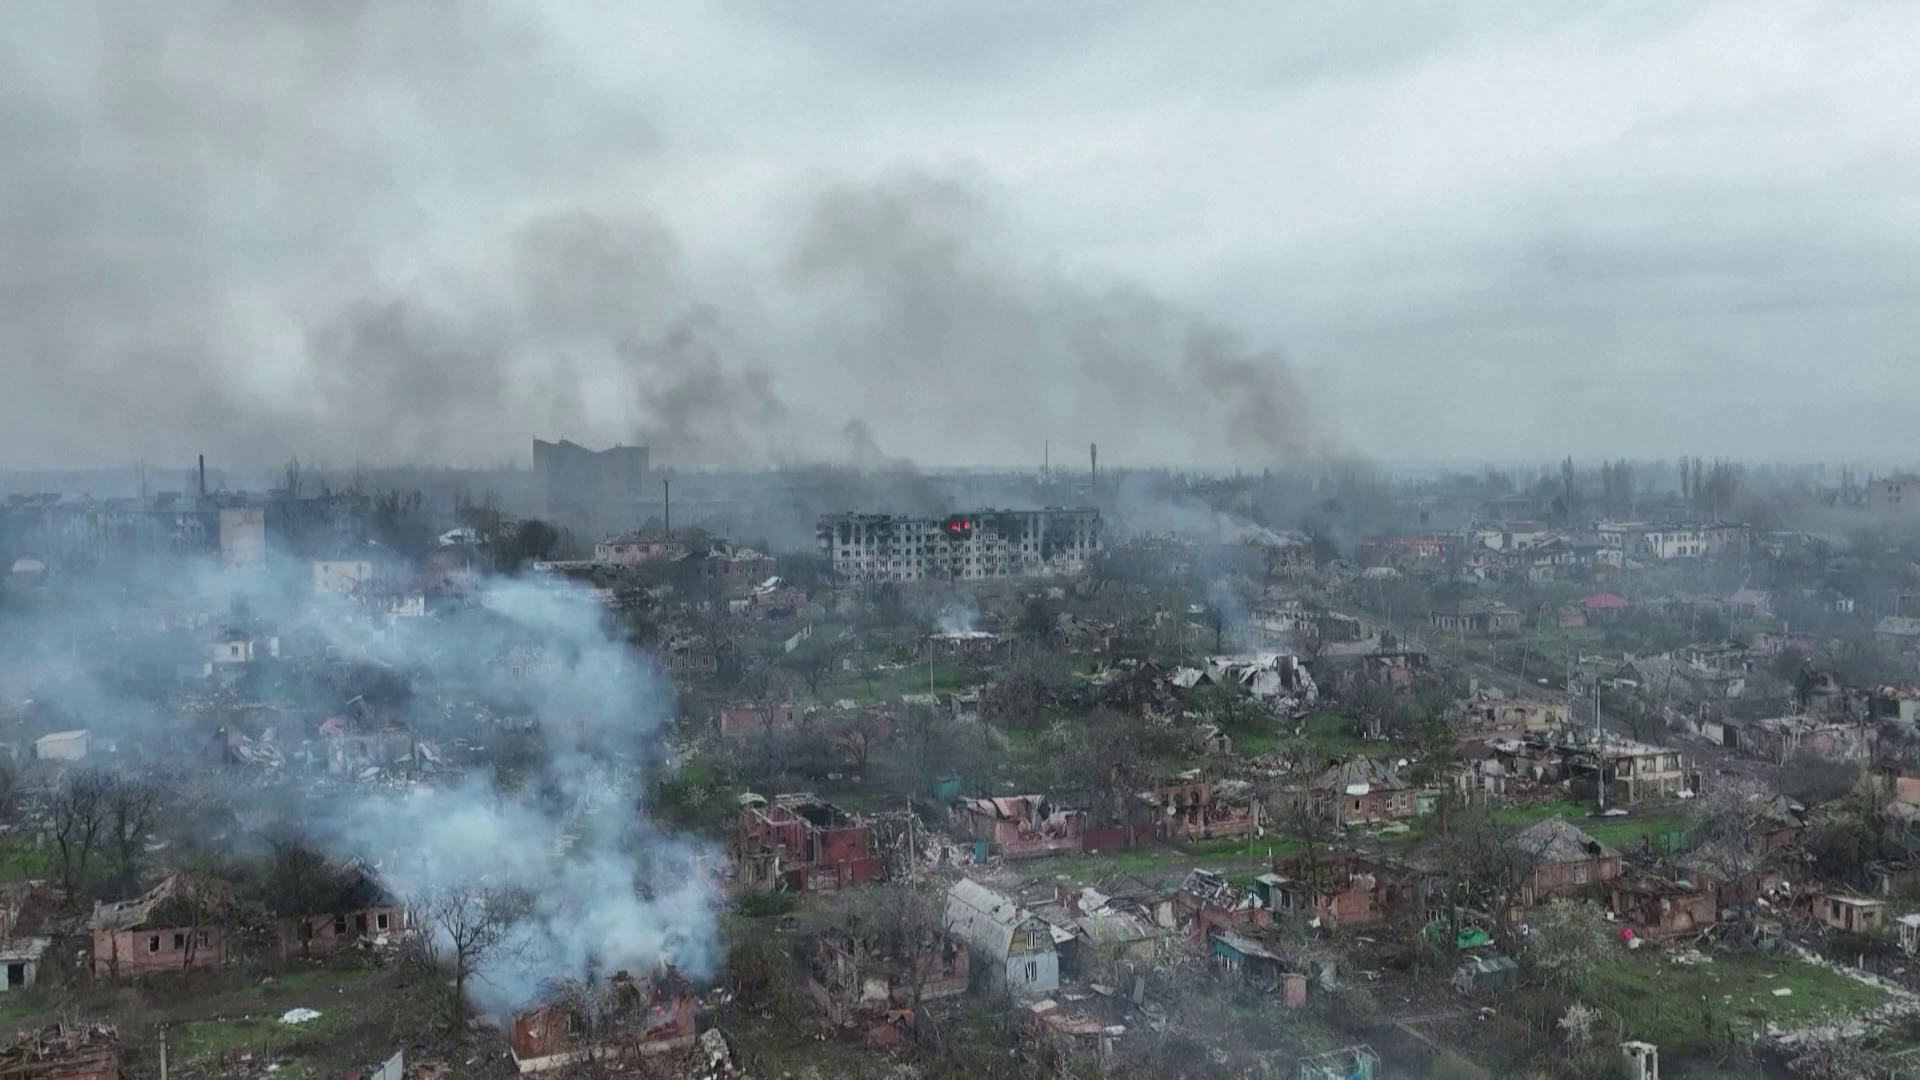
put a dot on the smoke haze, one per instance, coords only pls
(413, 231)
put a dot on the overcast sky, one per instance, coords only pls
(761, 231)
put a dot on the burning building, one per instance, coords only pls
(621, 1020)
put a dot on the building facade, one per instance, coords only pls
(962, 547)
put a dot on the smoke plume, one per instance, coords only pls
(413, 230)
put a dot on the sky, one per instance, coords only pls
(1247, 234)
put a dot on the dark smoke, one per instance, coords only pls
(411, 230)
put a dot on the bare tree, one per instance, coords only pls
(906, 920)
(132, 808)
(1487, 863)
(79, 814)
(465, 930)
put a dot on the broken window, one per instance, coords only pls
(200, 938)
(153, 943)
(360, 923)
(339, 924)
(380, 921)
(179, 940)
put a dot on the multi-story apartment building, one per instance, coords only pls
(1642, 540)
(1894, 495)
(961, 547)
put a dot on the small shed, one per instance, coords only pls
(1854, 914)
(1486, 973)
(64, 745)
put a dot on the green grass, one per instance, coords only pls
(20, 1004)
(1680, 1007)
(1621, 832)
(317, 980)
(24, 861)
(1332, 736)
(1628, 832)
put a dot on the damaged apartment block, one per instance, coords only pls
(978, 546)
(803, 843)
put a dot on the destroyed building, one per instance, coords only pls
(63, 1051)
(623, 1019)
(978, 546)
(358, 912)
(178, 925)
(1194, 809)
(1336, 890)
(1024, 826)
(803, 843)
(28, 925)
(872, 984)
(1660, 906)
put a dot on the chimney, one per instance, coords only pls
(1093, 460)
(666, 498)
(203, 476)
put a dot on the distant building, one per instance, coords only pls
(1894, 495)
(638, 549)
(1476, 617)
(961, 547)
(595, 491)
(341, 577)
(1643, 540)
(243, 537)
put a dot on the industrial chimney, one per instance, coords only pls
(1093, 458)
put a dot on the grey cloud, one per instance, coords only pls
(432, 229)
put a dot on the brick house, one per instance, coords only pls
(1565, 859)
(358, 912)
(757, 718)
(1361, 792)
(803, 843)
(180, 925)
(631, 1017)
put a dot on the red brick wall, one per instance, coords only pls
(132, 952)
(327, 936)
